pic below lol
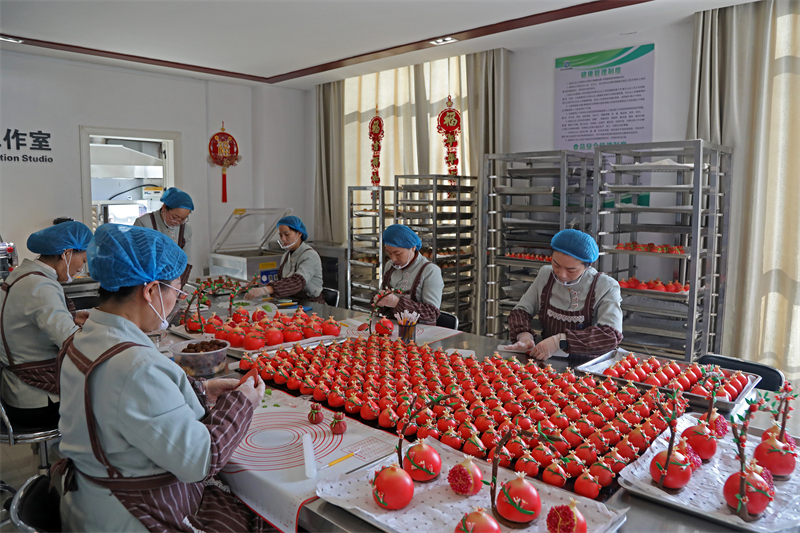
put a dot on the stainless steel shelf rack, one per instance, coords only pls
(443, 210)
(370, 211)
(688, 205)
(527, 198)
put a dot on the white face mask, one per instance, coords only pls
(164, 322)
(286, 247)
(411, 258)
(70, 278)
(569, 283)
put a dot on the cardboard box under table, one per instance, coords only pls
(267, 471)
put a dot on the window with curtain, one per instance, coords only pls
(409, 100)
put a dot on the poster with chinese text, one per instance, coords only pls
(604, 98)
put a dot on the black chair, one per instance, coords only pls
(447, 320)
(771, 378)
(35, 507)
(331, 296)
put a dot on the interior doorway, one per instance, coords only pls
(124, 172)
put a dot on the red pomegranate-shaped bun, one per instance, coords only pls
(478, 521)
(759, 492)
(392, 487)
(465, 478)
(679, 470)
(518, 500)
(776, 429)
(422, 462)
(775, 456)
(566, 519)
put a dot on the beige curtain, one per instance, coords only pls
(488, 77)
(746, 94)
(408, 99)
(330, 195)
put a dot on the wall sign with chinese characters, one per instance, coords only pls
(604, 98)
(17, 146)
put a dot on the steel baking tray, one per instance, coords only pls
(597, 365)
(740, 526)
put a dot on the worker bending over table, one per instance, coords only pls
(141, 439)
(300, 273)
(578, 307)
(418, 280)
(35, 320)
(171, 221)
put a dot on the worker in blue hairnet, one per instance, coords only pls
(171, 220)
(300, 272)
(579, 308)
(419, 280)
(131, 417)
(35, 320)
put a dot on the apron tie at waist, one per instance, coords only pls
(66, 468)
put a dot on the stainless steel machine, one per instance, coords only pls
(8, 258)
(241, 249)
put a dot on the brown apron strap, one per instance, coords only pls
(181, 238)
(283, 262)
(6, 288)
(387, 277)
(417, 280)
(588, 307)
(86, 367)
(546, 292)
(153, 220)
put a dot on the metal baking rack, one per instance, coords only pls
(686, 187)
(443, 210)
(527, 198)
(370, 211)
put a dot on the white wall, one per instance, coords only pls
(59, 96)
(533, 84)
(532, 98)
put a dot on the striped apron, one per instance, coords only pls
(39, 374)
(161, 502)
(555, 320)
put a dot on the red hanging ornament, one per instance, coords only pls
(449, 125)
(375, 135)
(223, 151)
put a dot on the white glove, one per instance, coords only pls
(215, 387)
(253, 392)
(390, 300)
(524, 344)
(256, 293)
(548, 347)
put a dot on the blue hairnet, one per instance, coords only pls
(55, 240)
(175, 198)
(294, 223)
(401, 237)
(577, 244)
(126, 256)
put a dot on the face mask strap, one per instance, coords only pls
(569, 283)
(68, 261)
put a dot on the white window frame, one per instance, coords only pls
(172, 148)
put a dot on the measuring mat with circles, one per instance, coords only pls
(267, 472)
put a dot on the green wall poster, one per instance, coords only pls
(604, 98)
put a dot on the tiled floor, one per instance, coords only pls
(17, 464)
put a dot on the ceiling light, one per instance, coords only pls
(444, 40)
(10, 39)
